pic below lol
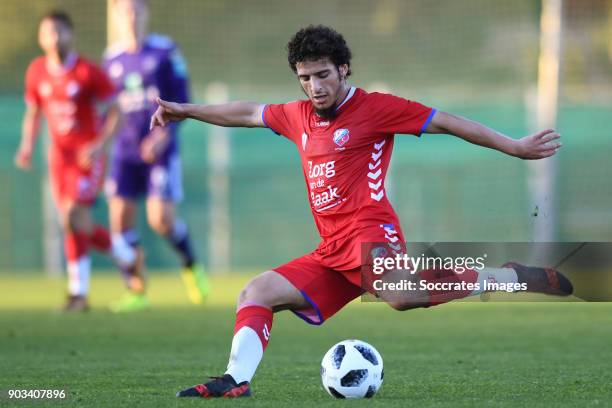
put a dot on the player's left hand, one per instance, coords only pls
(538, 146)
(154, 144)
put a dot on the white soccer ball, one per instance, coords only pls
(352, 369)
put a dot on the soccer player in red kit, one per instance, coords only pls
(344, 136)
(65, 88)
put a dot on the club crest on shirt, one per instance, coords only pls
(341, 136)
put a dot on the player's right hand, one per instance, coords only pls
(167, 112)
(23, 158)
(90, 154)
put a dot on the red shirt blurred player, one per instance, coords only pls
(345, 137)
(65, 88)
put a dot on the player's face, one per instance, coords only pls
(323, 83)
(54, 37)
(132, 17)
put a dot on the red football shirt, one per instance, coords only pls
(67, 98)
(345, 158)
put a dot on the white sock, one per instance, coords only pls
(497, 275)
(123, 253)
(78, 276)
(245, 356)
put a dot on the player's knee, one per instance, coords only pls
(66, 223)
(258, 291)
(161, 224)
(252, 293)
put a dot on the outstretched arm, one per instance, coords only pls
(536, 146)
(232, 114)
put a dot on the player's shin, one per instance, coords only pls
(127, 254)
(251, 335)
(76, 249)
(181, 242)
(444, 285)
(494, 275)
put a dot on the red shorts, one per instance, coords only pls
(327, 289)
(70, 182)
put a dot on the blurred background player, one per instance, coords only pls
(146, 163)
(65, 88)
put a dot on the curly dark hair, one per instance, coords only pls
(315, 42)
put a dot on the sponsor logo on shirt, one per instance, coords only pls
(323, 195)
(64, 116)
(326, 169)
(133, 81)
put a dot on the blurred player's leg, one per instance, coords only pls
(162, 218)
(126, 244)
(77, 228)
(86, 188)
(100, 239)
(82, 185)
(73, 203)
(165, 190)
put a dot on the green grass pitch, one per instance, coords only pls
(458, 355)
